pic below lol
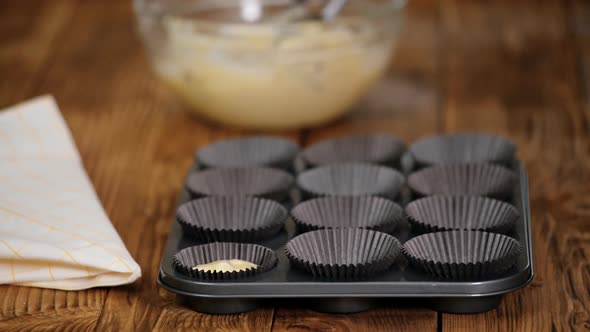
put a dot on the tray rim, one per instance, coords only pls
(368, 289)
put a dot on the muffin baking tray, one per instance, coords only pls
(390, 277)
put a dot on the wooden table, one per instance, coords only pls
(517, 68)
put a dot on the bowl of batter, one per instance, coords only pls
(245, 63)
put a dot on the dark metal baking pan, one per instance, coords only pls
(401, 283)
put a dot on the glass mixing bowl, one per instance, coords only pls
(241, 63)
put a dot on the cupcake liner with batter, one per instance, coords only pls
(185, 260)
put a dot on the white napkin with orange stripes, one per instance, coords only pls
(54, 232)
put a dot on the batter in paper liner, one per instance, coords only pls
(229, 265)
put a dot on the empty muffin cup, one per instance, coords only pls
(372, 148)
(351, 179)
(441, 213)
(368, 212)
(261, 182)
(231, 218)
(343, 253)
(224, 261)
(262, 151)
(463, 254)
(464, 179)
(462, 148)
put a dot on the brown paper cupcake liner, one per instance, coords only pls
(462, 254)
(186, 259)
(464, 179)
(463, 148)
(368, 212)
(261, 182)
(351, 179)
(442, 213)
(343, 253)
(231, 218)
(371, 148)
(261, 151)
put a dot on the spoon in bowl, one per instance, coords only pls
(309, 9)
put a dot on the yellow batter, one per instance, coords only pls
(231, 265)
(258, 76)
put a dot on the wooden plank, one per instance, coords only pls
(26, 308)
(29, 31)
(405, 104)
(80, 319)
(510, 68)
(381, 319)
(174, 318)
(579, 19)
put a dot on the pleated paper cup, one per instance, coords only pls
(231, 218)
(186, 259)
(343, 253)
(462, 254)
(371, 148)
(464, 179)
(368, 212)
(463, 148)
(261, 182)
(441, 213)
(261, 151)
(351, 179)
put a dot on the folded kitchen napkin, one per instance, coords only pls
(54, 232)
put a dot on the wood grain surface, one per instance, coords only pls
(517, 68)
